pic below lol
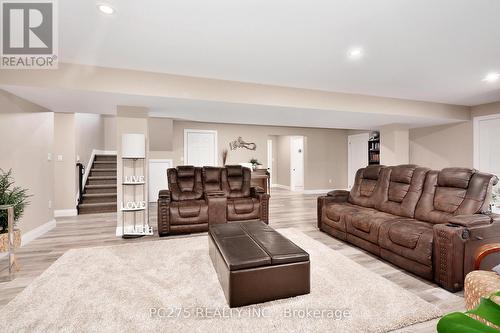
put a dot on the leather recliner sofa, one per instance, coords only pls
(427, 222)
(199, 197)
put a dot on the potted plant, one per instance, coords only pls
(15, 196)
(255, 163)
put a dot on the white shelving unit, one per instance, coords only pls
(134, 185)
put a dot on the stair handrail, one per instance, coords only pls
(81, 172)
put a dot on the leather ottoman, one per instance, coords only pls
(255, 264)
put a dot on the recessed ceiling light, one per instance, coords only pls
(106, 9)
(492, 77)
(355, 53)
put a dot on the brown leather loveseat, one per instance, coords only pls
(199, 197)
(427, 222)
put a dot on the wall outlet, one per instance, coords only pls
(49, 157)
(50, 204)
(329, 181)
(59, 157)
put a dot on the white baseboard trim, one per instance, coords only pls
(119, 232)
(285, 187)
(37, 232)
(33, 234)
(65, 212)
(316, 191)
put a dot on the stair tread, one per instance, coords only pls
(101, 177)
(105, 162)
(100, 186)
(96, 195)
(103, 169)
(97, 204)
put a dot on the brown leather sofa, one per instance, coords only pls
(427, 222)
(199, 197)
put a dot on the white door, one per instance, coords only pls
(270, 158)
(357, 155)
(158, 177)
(200, 147)
(486, 145)
(297, 163)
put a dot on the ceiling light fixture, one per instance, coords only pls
(491, 77)
(106, 9)
(355, 53)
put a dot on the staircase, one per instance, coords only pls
(99, 193)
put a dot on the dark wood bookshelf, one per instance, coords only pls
(374, 149)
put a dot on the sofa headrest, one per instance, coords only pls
(403, 173)
(372, 172)
(211, 174)
(184, 171)
(455, 177)
(234, 170)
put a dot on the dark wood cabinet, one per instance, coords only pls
(261, 177)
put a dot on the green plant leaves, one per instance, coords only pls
(11, 195)
(458, 322)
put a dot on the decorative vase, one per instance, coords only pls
(4, 240)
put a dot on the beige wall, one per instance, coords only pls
(26, 134)
(325, 149)
(89, 131)
(109, 133)
(64, 161)
(444, 146)
(440, 147)
(485, 109)
(394, 145)
(140, 83)
(160, 134)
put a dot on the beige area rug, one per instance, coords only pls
(170, 286)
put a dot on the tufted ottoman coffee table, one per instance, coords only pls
(255, 264)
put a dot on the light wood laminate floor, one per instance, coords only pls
(287, 209)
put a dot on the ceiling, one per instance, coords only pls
(65, 100)
(414, 49)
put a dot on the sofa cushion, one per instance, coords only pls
(363, 191)
(212, 179)
(408, 238)
(188, 212)
(333, 214)
(236, 181)
(243, 209)
(185, 183)
(366, 222)
(454, 191)
(400, 188)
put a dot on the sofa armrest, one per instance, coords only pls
(164, 194)
(256, 189)
(471, 221)
(330, 197)
(260, 194)
(217, 207)
(164, 199)
(338, 195)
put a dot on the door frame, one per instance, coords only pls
(188, 131)
(270, 159)
(292, 185)
(475, 130)
(349, 155)
(158, 160)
